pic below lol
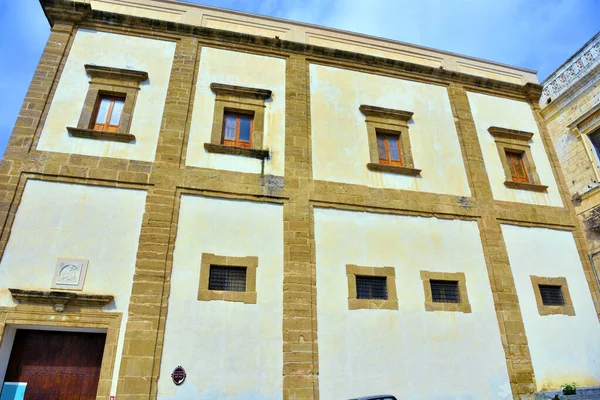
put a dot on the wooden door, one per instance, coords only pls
(56, 365)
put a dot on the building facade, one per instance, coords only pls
(571, 107)
(283, 211)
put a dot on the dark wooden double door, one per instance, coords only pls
(56, 365)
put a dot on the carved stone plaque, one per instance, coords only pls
(69, 274)
(178, 375)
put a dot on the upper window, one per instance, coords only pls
(108, 107)
(108, 113)
(239, 121)
(371, 287)
(237, 129)
(595, 140)
(516, 163)
(516, 158)
(389, 149)
(389, 143)
(588, 124)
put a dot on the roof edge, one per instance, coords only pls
(76, 12)
(358, 34)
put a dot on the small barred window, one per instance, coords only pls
(552, 295)
(227, 278)
(371, 287)
(445, 291)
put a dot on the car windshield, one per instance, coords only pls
(376, 398)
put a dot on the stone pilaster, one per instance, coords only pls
(506, 301)
(144, 332)
(299, 292)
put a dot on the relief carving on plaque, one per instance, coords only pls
(69, 274)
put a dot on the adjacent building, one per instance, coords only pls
(571, 107)
(206, 204)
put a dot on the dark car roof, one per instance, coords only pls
(378, 397)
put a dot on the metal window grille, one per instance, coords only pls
(445, 291)
(371, 287)
(552, 295)
(227, 278)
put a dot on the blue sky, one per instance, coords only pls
(535, 34)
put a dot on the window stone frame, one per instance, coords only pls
(388, 121)
(518, 142)
(430, 305)
(355, 304)
(250, 263)
(112, 82)
(588, 122)
(566, 309)
(244, 100)
(584, 126)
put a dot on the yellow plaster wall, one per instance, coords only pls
(340, 147)
(505, 113)
(75, 221)
(563, 348)
(408, 352)
(119, 51)
(229, 350)
(240, 69)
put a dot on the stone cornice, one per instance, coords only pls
(506, 133)
(390, 113)
(58, 299)
(65, 11)
(74, 12)
(97, 71)
(240, 91)
(533, 92)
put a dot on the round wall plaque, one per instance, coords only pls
(178, 375)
